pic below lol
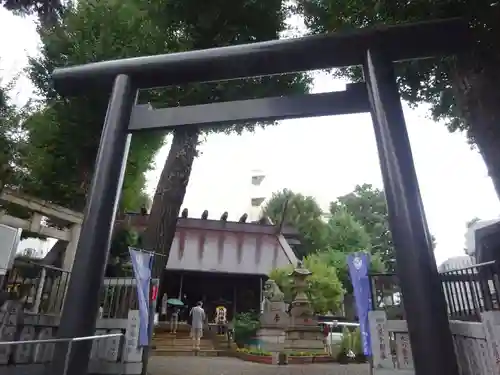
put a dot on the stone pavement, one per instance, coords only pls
(234, 366)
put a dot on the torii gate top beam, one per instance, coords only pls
(401, 42)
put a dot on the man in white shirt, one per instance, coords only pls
(198, 318)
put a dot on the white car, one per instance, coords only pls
(333, 333)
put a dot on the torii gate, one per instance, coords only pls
(374, 49)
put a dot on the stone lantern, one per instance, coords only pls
(304, 333)
(301, 310)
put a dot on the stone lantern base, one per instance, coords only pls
(308, 338)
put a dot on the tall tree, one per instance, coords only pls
(463, 90)
(338, 260)
(64, 133)
(324, 288)
(367, 205)
(347, 235)
(47, 11)
(329, 240)
(11, 138)
(302, 213)
(205, 24)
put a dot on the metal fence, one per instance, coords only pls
(468, 292)
(118, 295)
(70, 342)
(40, 288)
(471, 290)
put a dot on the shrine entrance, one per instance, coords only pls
(376, 50)
(236, 292)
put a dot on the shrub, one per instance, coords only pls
(246, 325)
(345, 345)
(357, 344)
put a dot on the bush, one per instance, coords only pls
(357, 345)
(345, 346)
(246, 325)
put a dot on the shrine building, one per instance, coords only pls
(222, 262)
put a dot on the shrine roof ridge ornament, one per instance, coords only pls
(136, 220)
(333, 50)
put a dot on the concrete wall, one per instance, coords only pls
(477, 345)
(116, 355)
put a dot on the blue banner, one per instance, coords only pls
(358, 264)
(142, 263)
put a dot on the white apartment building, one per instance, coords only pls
(258, 194)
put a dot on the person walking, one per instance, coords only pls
(174, 320)
(197, 320)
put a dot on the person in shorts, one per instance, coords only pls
(198, 318)
(174, 320)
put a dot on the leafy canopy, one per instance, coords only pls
(324, 288)
(64, 133)
(302, 213)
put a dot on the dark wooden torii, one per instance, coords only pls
(375, 50)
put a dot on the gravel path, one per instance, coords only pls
(234, 366)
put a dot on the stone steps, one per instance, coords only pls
(181, 344)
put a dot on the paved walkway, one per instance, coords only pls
(234, 366)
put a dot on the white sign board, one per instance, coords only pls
(9, 241)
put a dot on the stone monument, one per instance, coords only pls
(273, 319)
(303, 333)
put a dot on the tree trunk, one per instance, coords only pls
(169, 196)
(478, 96)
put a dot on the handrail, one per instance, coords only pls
(69, 339)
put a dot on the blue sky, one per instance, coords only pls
(323, 157)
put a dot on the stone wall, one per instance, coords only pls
(477, 345)
(116, 355)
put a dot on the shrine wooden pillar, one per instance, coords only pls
(235, 300)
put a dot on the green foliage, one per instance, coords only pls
(12, 139)
(46, 10)
(357, 344)
(200, 24)
(367, 206)
(246, 325)
(119, 255)
(461, 91)
(324, 288)
(346, 234)
(338, 260)
(64, 134)
(421, 81)
(302, 213)
(254, 351)
(358, 222)
(346, 343)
